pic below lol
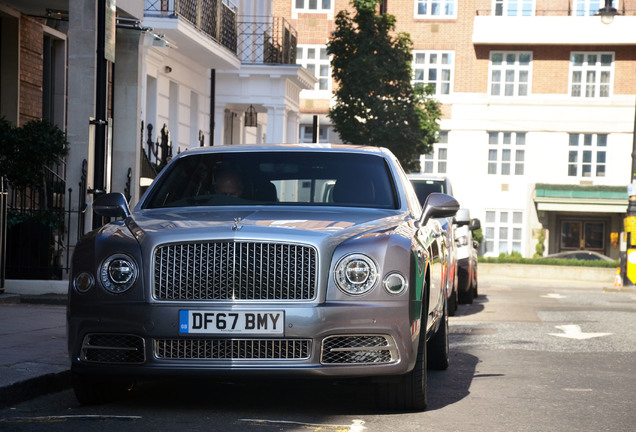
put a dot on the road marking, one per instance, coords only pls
(572, 331)
(554, 296)
(356, 426)
(54, 419)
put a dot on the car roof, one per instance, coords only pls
(422, 176)
(310, 147)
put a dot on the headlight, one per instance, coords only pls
(461, 241)
(356, 274)
(118, 273)
(395, 283)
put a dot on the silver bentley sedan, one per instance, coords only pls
(290, 260)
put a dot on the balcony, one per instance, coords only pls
(205, 30)
(553, 27)
(267, 40)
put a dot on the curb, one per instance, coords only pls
(34, 387)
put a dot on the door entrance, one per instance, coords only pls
(583, 234)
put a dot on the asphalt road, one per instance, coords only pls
(524, 357)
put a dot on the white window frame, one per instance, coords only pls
(589, 7)
(506, 153)
(587, 155)
(422, 62)
(503, 231)
(426, 9)
(306, 6)
(306, 133)
(436, 162)
(513, 7)
(591, 81)
(317, 92)
(510, 73)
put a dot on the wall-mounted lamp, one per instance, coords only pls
(167, 69)
(607, 12)
(251, 117)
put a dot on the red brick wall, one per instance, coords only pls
(31, 46)
(551, 64)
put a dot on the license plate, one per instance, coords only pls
(234, 322)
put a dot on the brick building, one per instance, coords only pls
(538, 110)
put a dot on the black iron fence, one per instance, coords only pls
(270, 40)
(39, 225)
(215, 18)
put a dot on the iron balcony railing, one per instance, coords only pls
(270, 40)
(216, 18)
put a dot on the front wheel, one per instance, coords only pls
(93, 390)
(408, 392)
(438, 345)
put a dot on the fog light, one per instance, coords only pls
(83, 281)
(395, 283)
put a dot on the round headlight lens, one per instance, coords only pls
(83, 281)
(118, 273)
(395, 283)
(356, 274)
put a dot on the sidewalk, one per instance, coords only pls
(33, 353)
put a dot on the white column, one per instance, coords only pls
(219, 124)
(127, 112)
(293, 124)
(276, 124)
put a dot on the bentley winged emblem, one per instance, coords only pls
(237, 224)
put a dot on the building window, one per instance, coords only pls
(587, 156)
(315, 59)
(435, 68)
(589, 7)
(436, 9)
(307, 133)
(510, 73)
(503, 232)
(514, 7)
(506, 153)
(313, 6)
(591, 74)
(436, 161)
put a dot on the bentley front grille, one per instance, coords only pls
(232, 349)
(358, 349)
(235, 271)
(113, 348)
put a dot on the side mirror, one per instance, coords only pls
(462, 217)
(474, 225)
(111, 205)
(438, 205)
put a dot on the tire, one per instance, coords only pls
(452, 303)
(408, 392)
(437, 350)
(465, 292)
(94, 390)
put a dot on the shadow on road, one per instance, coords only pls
(452, 385)
(474, 308)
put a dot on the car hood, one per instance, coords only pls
(293, 224)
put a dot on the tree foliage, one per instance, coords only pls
(26, 150)
(375, 102)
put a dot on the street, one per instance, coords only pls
(525, 356)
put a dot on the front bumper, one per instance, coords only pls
(347, 339)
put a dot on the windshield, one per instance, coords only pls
(275, 178)
(423, 188)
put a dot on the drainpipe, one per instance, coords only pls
(212, 103)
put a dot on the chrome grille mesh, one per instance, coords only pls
(358, 349)
(235, 271)
(232, 349)
(113, 348)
